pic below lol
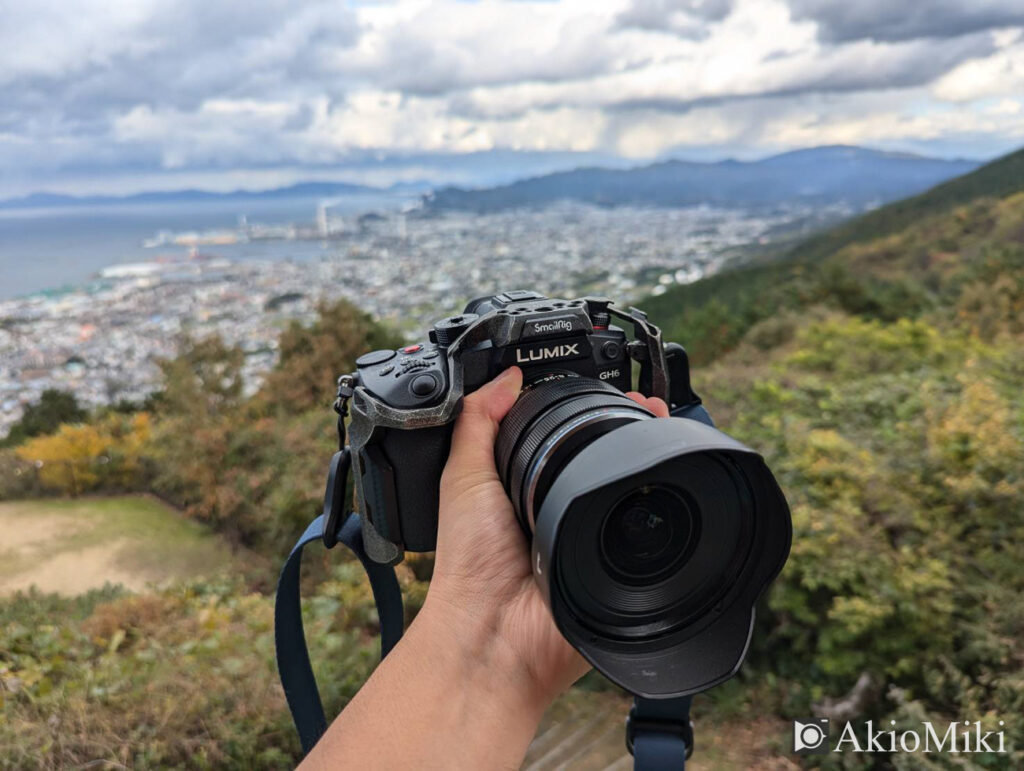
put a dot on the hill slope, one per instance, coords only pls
(1003, 176)
(914, 256)
(816, 175)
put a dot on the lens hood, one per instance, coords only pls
(688, 632)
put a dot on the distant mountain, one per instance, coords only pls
(817, 175)
(300, 190)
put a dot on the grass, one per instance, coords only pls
(71, 546)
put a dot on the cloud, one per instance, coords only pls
(686, 18)
(195, 86)
(999, 74)
(442, 47)
(845, 20)
(108, 56)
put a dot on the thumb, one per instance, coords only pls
(471, 460)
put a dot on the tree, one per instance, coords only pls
(45, 416)
(104, 454)
(204, 381)
(311, 358)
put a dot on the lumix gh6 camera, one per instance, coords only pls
(651, 539)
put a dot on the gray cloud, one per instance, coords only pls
(417, 58)
(180, 55)
(846, 20)
(685, 18)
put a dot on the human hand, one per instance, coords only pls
(482, 587)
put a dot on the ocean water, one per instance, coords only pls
(52, 248)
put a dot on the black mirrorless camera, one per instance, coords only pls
(651, 539)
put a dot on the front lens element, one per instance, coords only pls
(647, 534)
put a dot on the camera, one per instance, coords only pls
(651, 539)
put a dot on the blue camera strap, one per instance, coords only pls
(293, 662)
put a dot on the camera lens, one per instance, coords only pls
(646, 534)
(651, 539)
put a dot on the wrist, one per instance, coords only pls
(448, 696)
(475, 638)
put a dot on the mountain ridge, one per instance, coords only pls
(299, 189)
(999, 178)
(310, 188)
(826, 174)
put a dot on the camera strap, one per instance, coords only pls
(293, 663)
(658, 731)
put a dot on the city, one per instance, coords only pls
(102, 341)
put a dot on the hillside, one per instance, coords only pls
(1002, 177)
(904, 259)
(820, 175)
(882, 383)
(71, 546)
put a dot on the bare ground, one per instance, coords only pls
(71, 546)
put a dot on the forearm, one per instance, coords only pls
(448, 696)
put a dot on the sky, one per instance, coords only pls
(101, 96)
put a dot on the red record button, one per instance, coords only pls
(411, 348)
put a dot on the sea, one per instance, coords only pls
(50, 249)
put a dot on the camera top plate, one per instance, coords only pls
(407, 378)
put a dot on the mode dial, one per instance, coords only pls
(447, 330)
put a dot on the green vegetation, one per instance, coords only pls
(901, 449)
(878, 368)
(45, 416)
(183, 678)
(882, 381)
(960, 267)
(254, 468)
(998, 179)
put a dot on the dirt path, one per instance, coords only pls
(71, 546)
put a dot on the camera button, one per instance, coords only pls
(374, 357)
(430, 355)
(423, 385)
(411, 348)
(386, 370)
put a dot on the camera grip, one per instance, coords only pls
(401, 477)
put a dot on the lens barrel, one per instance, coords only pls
(545, 428)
